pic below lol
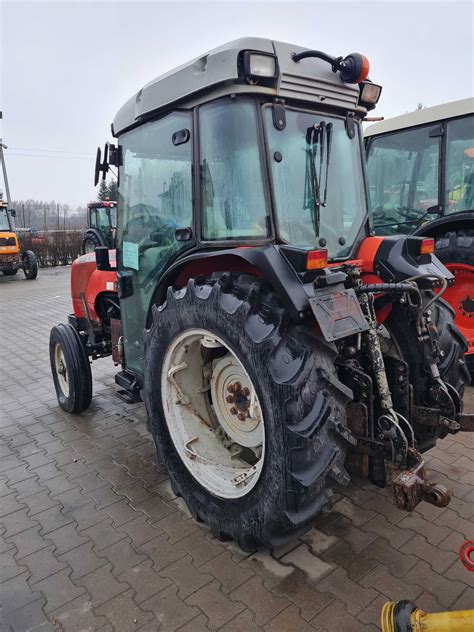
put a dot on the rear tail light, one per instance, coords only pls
(316, 259)
(427, 246)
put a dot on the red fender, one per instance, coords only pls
(87, 283)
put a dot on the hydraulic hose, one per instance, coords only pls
(374, 288)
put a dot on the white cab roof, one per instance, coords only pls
(420, 117)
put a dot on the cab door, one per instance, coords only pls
(155, 199)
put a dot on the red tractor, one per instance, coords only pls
(102, 229)
(420, 170)
(277, 344)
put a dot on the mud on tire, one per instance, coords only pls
(302, 401)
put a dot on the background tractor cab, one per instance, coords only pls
(11, 257)
(420, 169)
(249, 305)
(102, 220)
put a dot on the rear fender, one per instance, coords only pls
(393, 259)
(261, 261)
(87, 283)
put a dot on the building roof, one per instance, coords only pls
(420, 117)
(216, 73)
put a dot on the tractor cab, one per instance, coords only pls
(420, 169)
(102, 226)
(274, 340)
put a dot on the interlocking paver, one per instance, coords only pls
(170, 610)
(261, 601)
(42, 564)
(101, 584)
(335, 617)
(93, 537)
(124, 614)
(186, 576)
(144, 580)
(77, 616)
(218, 608)
(82, 560)
(303, 594)
(227, 571)
(122, 556)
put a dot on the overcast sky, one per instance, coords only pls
(67, 67)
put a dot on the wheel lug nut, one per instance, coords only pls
(233, 410)
(231, 388)
(229, 399)
(242, 417)
(245, 391)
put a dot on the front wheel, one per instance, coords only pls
(245, 408)
(30, 265)
(90, 243)
(71, 369)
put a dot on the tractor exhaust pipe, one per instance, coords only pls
(400, 616)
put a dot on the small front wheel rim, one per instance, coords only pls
(89, 247)
(213, 414)
(60, 367)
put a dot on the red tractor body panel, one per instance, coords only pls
(87, 283)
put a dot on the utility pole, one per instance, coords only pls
(57, 208)
(23, 214)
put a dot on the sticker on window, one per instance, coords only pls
(130, 255)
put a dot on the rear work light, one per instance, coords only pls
(370, 92)
(259, 66)
(316, 259)
(427, 246)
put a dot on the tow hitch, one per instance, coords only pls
(382, 415)
(410, 486)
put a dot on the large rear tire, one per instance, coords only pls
(456, 250)
(30, 265)
(285, 369)
(90, 242)
(71, 369)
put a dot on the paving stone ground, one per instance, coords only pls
(92, 538)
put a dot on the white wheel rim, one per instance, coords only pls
(61, 369)
(213, 414)
(89, 247)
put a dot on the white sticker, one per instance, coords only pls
(109, 285)
(130, 255)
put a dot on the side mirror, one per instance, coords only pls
(101, 167)
(433, 210)
(102, 260)
(12, 212)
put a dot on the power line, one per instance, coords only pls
(54, 151)
(11, 154)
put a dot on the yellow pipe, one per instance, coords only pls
(394, 619)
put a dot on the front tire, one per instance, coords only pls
(71, 369)
(30, 265)
(301, 400)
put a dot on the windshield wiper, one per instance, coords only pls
(320, 134)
